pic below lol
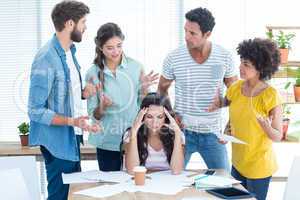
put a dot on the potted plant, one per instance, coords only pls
(284, 44)
(297, 86)
(24, 132)
(285, 120)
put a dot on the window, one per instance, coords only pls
(151, 30)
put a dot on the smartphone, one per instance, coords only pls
(210, 172)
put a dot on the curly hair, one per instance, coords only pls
(66, 10)
(202, 17)
(166, 135)
(263, 54)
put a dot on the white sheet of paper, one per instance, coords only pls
(102, 191)
(230, 138)
(12, 185)
(218, 181)
(96, 176)
(156, 184)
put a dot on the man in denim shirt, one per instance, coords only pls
(52, 96)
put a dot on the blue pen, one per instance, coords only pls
(202, 177)
(197, 184)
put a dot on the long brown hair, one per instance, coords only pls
(166, 135)
(104, 33)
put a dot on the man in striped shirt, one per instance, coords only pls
(200, 69)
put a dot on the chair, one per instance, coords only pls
(28, 168)
(12, 185)
(292, 186)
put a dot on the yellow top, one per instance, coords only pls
(256, 159)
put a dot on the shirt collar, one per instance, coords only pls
(60, 50)
(123, 64)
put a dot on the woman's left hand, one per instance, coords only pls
(173, 124)
(264, 122)
(148, 80)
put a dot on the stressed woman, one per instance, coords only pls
(154, 140)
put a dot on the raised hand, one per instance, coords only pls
(138, 122)
(90, 88)
(173, 124)
(105, 101)
(148, 80)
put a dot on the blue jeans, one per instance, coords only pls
(257, 186)
(109, 160)
(54, 168)
(213, 153)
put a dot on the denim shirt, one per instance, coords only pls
(50, 94)
(124, 91)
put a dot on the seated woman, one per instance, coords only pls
(155, 140)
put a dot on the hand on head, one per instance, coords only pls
(173, 124)
(139, 119)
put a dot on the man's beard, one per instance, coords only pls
(76, 35)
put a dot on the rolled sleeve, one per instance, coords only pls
(41, 82)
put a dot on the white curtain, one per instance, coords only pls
(151, 29)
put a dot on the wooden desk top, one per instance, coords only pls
(188, 192)
(15, 149)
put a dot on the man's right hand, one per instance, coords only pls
(217, 102)
(81, 122)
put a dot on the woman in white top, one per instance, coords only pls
(155, 140)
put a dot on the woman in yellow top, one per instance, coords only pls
(255, 115)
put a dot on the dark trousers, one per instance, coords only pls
(109, 160)
(257, 186)
(54, 168)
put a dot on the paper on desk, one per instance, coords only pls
(230, 138)
(157, 184)
(150, 187)
(95, 176)
(166, 187)
(218, 181)
(102, 191)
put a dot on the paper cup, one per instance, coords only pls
(139, 175)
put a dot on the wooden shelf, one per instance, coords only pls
(288, 98)
(283, 27)
(285, 72)
(291, 64)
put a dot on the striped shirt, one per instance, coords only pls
(196, 85)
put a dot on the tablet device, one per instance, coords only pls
(230, 193)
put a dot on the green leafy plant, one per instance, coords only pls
(286, 111)
(269, 34)
(297, 83)
(284, 40)
(24, 128)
